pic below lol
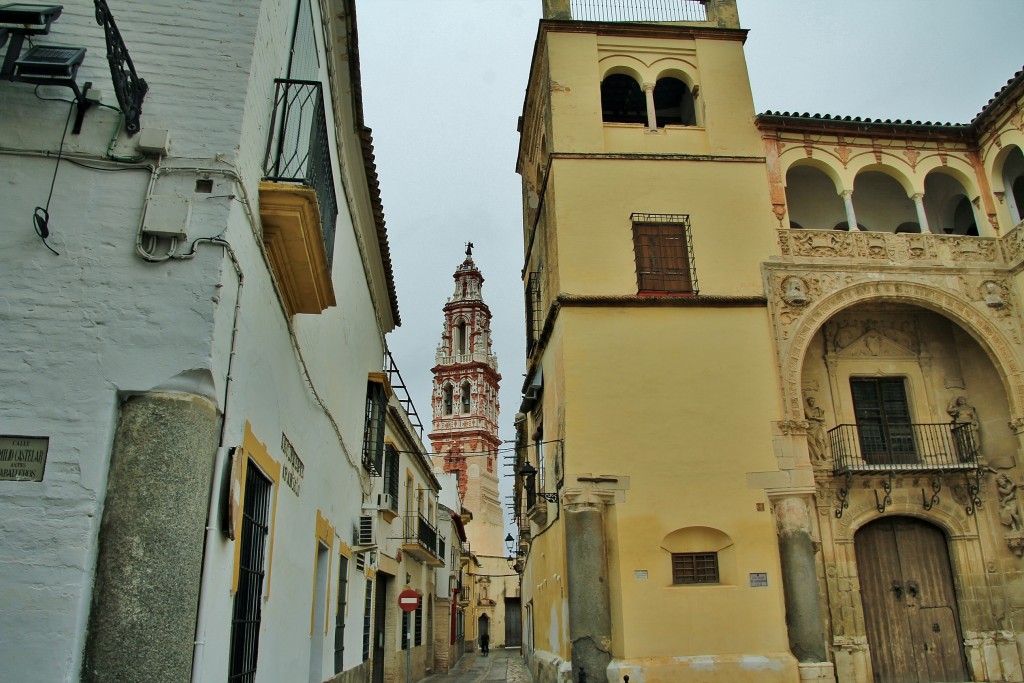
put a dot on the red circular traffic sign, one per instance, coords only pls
(409, 600)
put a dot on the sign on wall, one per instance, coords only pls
(23, 458)
(758, 579)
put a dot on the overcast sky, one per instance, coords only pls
(443, 85)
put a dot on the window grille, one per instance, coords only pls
(367, 616)
(694, 568)
(245, 622)
(534, 323)
(664, 254)
(339, 619)
(418, 626)
(373, 433)
(391, 476)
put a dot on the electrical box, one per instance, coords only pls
(154, 141)
(167, 216)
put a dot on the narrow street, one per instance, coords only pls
(499, 665)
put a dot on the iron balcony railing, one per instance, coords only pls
(419, 531)
(638, 10)
(937, 447)
(298, 151)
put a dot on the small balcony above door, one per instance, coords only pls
(873, 447)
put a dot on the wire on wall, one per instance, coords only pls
(41, 215)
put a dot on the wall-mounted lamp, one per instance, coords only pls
(528, 476)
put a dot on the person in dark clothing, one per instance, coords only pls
(485, 642)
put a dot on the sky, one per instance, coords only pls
(443, 85)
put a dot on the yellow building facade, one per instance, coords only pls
(771, 422)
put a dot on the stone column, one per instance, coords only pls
(799, 579)
(590, 621)
(652, 113)
(922, 218)
(557, 9)
(851, 216)
(146, 591)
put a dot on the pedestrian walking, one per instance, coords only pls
(485, 642)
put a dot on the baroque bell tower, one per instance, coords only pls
(465, 406)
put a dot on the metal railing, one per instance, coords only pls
(402, 391)
(298, 148)
(935, 447)
(638, 10)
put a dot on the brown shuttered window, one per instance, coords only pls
(694, 568)
(664, 255)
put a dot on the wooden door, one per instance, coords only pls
(513, 623)
(910, 611)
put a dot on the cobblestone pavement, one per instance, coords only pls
(499, 665)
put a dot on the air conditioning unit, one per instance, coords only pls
(367, 531)
(385, 502)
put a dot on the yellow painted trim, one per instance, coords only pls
(253, 450)
(382, 379)
(344, 549)
(371, 573)
(325, 536)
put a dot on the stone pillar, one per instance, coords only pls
(851, 216)
(146, 591)
(652, 113)
(590, 621)
(799, 579)
(557, 9)
(922, 218)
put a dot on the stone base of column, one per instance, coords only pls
(817, 672)
(146, 590)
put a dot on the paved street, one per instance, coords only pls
(499, 665)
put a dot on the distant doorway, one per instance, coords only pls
(380, 610)
(483, 625)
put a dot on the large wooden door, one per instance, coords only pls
(513, 623)
(910, 611)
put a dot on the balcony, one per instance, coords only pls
(422, 541)
(925, 448)
(639, 10)
(298, 205)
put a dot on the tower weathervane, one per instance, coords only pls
(469, 249)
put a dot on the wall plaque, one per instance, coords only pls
(23, 458)
(758, 579)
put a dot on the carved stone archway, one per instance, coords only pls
(793, 345)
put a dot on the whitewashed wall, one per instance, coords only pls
(80, 329)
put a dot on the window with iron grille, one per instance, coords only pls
(373, 431)
(339, 618)
(391, 475)
(245, 622)
(694, 568)
(418, 625)
(534, 323)
(664, 254)
(367, 623)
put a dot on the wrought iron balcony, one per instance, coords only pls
(870, 448)
(422, 540)
(298, 149)
(638, 10)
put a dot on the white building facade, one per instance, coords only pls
(191, 324)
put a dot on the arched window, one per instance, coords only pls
(1013, 182)
(446, 401)
(673, 103)
(622, 100)
(460, 338)
(464, 397)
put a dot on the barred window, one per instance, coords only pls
(373, 431)
(391, 476)
(419, 624)
(245, 622)
(534, 322)
(694, 568)
(664, 254)
(367, 616)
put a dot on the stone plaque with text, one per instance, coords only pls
(23, 458)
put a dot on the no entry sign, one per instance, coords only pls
(408, 600)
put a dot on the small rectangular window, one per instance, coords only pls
(367, 620)
(339, 617)
(245, 623)
(391, 475)
(419, 624)
(694, 568)
(664, 254)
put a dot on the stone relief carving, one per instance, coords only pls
(817, 444)
(962, 412)
(995, 296)
(794, 291)
(868, 336)
(898, 248)
(1010, 514)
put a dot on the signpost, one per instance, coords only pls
(408, 601)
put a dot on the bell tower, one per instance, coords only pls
(465, 407)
